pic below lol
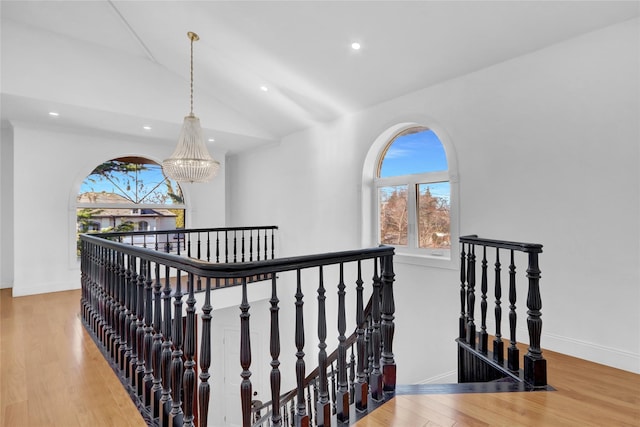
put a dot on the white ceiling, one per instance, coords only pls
(115, 66)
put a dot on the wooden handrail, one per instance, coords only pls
(502, 244)
(206, 269)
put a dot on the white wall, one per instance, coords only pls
(49, 166)
(6, 206)
(548, 152)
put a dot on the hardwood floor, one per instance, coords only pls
(586, 394)
(52, 374)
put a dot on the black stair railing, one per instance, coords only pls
(475, 361)
(226, 244)
(141, 306)
(297, 399)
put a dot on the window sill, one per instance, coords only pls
(424, 260)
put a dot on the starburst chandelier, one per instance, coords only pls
(191, 161)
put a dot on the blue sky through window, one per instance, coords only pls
(143, 186)
(414, 153)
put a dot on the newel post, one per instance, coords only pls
(535, 366)
(388, 327)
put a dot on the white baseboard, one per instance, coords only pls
(445, 378)
(45, 288)
(609, 356)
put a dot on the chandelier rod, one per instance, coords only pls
(193, 37)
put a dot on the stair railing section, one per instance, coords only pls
(215, 245)
(475, 361)
(293, 403)
(140, 306)
(219, 245)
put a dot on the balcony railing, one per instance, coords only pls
(476, 362)
(160, 346)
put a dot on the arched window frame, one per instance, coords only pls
(371, 183)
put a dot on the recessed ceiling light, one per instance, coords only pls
(211, 140)
(146, 127)
(53, 113)
(355, 46)
(264, 88)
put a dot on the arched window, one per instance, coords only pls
(126, 194)
(414, 190)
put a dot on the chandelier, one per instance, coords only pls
(191, 162)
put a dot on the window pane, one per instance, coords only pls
(434, 215)
(393, 215)
(416, 150)
(129, 180)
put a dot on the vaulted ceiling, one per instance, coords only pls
(116, 66)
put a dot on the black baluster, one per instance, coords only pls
(208, 246)
(242, 246)
(109, 300)
(156, 347)
(226, 246)
(176, 415)
(309, 409)
(375, 376)
(361, 386)
(369, 348)
(139, 373)
(250, 245)
(187, 242)
(471, 295)
(235, 246)
(498, 344)
(273, 244)
(276, 418)
(217, 247)
(483, 341)
(352, 375)
(119, 343)
(265, 245)
(513, 354)
(131, 322)
(323, 407)
(199, 248)
(258, 245)
(292, 412)
(301, 418)
(333, 390)
(387, 325)
(167, 346)
(462, 334)
(245, 357)
(535, 366)
(124, 313)
(205, 357)
(189, 377)
(147, 379)
(342, 398)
